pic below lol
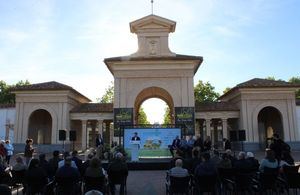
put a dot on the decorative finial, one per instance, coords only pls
(152, 7)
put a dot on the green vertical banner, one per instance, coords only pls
(185, 117)
(123, 117)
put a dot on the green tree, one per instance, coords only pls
(204, 92)
(167, 116)
(142, 117)
(6, 96)
(226, 90)
(108, 97)
(296, 80)
(272, 78)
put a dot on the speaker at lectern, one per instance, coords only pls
(135, 145)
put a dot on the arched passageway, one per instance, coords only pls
(153, 92)
(269, 122)
(40, 127)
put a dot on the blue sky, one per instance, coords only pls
(67, 40)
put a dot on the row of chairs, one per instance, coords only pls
(61, 186)
(233, 181)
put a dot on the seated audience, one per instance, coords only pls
(231, 157)
(19, 166)
(62, 162)
(195, 161)
(86, 163)
(4, 172)
(242, 163)
(216, 158)
(95, 169)
(117, 170)
(269, 161)
(178, 171)
(95, 173)
(252, 161)
(35, 177)
(46, 166)
(67, 177)
(53, 162)
(207, 167)
(77, 160)
(178, 155)
(225, 162)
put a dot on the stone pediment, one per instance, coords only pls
(152, 22)
(153, 32)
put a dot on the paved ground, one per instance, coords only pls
(153, 182)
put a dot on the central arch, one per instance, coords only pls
(153, 92)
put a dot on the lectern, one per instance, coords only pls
(135, 150)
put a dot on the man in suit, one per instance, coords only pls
(99, 141)
(99, 146)
(175, 145)
(135, 137)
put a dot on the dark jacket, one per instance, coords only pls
(117, 166)
(227, 145)
(253, 163)
(28, 150)
(242, 164)
(176, 143)
(205, 168)
(135, 138)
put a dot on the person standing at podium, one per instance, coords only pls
(135, 140)
(135, 137)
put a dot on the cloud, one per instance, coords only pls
(226, 31)
(13, 37)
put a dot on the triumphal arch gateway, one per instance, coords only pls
(257, 107)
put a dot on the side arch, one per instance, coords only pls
(54, 117)
(282, 112)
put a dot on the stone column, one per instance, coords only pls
(197, 127)
(207, 122)
(100, 127)
(7, 127)
(108, 133)
(224, 125)
(83, 134)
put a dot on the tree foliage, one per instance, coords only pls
(296, 80)
(167, 116)
(226, 90)
(204, 92)
(108, 97)
(142, 117)
(6, 97)
(272, 78)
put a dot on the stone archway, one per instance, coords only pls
(269, 121)
(40, 126)
(153, 92)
